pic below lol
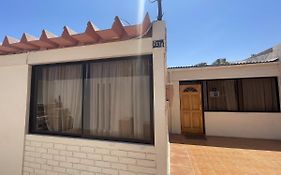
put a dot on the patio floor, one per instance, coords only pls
(224, 156)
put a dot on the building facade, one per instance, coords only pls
(237, 100)
(89, 103)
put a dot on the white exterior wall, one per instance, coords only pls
(44, 154)
(222, 124)
(13, 108)
(160, 113)
(248, 125)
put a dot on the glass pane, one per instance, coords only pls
(222, 95)
(259, 94)
(118, 102)
(58, 102)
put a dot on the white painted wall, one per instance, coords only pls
(160, 115)
(81, 53)
(248, 125)
(225, 72)
(13, 109)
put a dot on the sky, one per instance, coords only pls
(198, 30)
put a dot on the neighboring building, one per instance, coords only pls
(85, 103)
(239, 99)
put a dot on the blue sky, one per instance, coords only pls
(198, 30)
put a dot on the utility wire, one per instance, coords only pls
(127, 22)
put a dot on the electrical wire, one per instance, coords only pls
(145, 33)
(123, 20)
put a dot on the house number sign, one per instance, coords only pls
(158, 43)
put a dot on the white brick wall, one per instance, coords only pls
(45, 155)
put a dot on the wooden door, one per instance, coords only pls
(191, 109)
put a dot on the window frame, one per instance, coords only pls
(206, 108)
(84, 64)
(236, 93)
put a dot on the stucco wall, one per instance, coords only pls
(248, 125)
(13, 108)
(160, 115)
(224, 72)
(81, 53)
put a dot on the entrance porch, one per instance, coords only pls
(224, 156)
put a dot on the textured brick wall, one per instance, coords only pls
(66, 156)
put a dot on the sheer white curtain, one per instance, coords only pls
(120, 99)
(61, 95)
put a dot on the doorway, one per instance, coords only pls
(191, 109)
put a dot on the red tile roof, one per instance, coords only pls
(68, 38)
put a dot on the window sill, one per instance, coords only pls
(92, 138)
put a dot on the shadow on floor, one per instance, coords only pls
(226, 142)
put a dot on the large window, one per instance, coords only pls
(245, 95)
(110, 99)
(259, 94)
(222, 95)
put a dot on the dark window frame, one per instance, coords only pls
(236, 93)
(239, 96)
(33, 100)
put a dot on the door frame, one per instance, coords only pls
(202, 100)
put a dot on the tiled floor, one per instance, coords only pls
(224, 156)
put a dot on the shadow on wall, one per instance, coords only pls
(226, 142)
